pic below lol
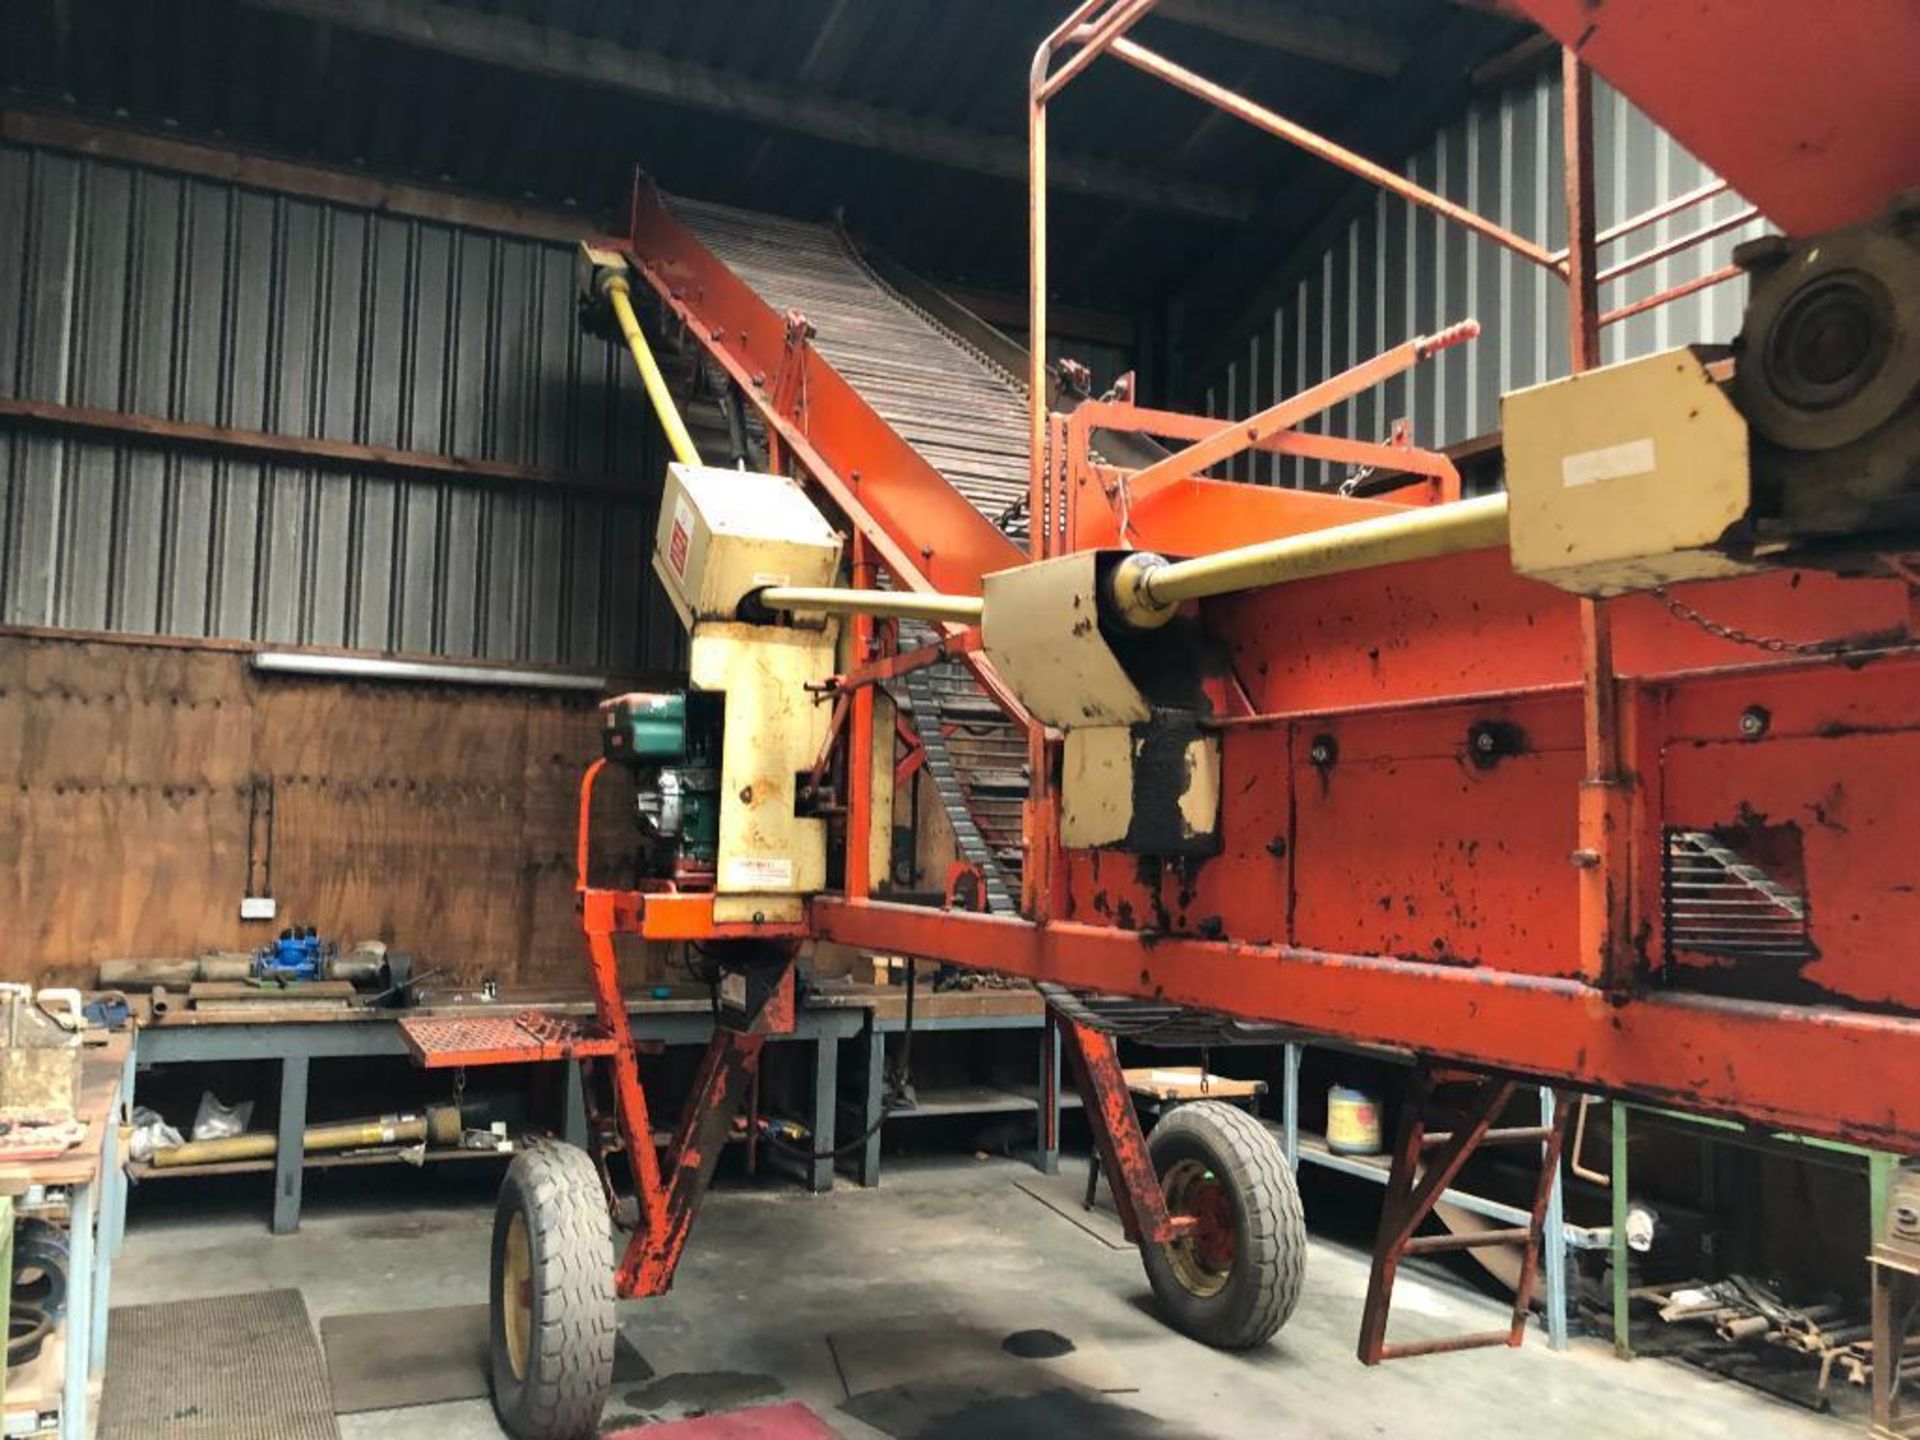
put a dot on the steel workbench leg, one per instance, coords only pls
(1881, 1168)
(1617, 1186)
(1553, 1238)
(573, 1127)
(123, 1108)
(78, 1325)
(1047, 1139)
(873, 1104)
(112, 1202)
(826, 1102)
(291, 1152)
(1290, 1103)
(6, 1277)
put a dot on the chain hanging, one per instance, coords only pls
(1773, 644)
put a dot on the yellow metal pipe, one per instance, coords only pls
(1146, 588)
(902, 604)
(615, 288)
(440, 1124)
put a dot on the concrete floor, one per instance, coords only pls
(771, 1272)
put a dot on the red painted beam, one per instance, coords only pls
(1842, 1075)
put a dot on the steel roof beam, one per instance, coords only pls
(1292, 31)
(561, 55)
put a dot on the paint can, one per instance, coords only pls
(1353, 1122)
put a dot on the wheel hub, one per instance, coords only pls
(1202, 1255)
(516, 1296)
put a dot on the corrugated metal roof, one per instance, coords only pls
(332, 93)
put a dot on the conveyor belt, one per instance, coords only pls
(967, 417)
(963, 414)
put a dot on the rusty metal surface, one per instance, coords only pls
(533, 1035)
(1817, 123)
(1425, 1162)
(1117, 1134)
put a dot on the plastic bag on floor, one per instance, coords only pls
(150, 1133)
(214, 1121)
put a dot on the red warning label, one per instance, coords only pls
(679, 539)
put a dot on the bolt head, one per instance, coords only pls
(1754, 721)
(1484, 742)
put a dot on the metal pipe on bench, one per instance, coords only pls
(441, 1124)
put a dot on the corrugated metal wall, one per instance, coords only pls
(1402, 271)
(154, 293)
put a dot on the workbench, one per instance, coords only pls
(946, 1011)
(296, 1037)
(1875, 1167)
(86, 1187)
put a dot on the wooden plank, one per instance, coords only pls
(266, 172)
(440, 821)
(303, 450)
(123, 774)
(1185, 1082)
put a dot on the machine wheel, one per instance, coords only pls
(1233, 1280)
(552, 1321)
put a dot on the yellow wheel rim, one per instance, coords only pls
(516, 1295)
(1202, 1257)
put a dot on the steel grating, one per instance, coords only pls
(446, 1042)
(235, 1367)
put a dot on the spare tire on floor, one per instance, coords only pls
(1234, 1278)
(552, 1322)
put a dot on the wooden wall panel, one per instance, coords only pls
(438, 819)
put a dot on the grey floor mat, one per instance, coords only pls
(387, 1360)
(234, 1367)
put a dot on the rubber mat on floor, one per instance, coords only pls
(233, 1367)
(792, 1421)
(388, 1360)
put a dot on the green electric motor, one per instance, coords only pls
(672, 743)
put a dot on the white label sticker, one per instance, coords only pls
(1615, 462)
(759, 872)
(733, 990)
(681, 538)
(767, 577)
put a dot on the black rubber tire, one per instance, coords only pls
(557, 1193)
(1270, 1254)
(40, 1260)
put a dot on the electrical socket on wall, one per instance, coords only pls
(258, 907)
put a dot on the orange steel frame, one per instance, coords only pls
(1379, 882)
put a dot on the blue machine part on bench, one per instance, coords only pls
(299, 954)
